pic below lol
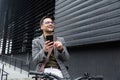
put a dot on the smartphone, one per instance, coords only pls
(49, 37)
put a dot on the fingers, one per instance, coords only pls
(58, 45)
(48, 46)
(48, 43)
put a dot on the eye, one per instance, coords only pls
(48, 22)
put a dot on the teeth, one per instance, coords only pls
(50, 27)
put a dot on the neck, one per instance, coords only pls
(47, 33)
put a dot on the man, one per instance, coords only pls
(41, 48)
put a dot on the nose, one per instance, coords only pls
(51, 23)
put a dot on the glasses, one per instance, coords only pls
(48, 22)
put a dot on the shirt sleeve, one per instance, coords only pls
(64, 55)
(38, 54)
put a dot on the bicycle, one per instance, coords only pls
(49, 76)
(87, 76)
(45, 76)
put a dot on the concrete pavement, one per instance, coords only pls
(15, 74)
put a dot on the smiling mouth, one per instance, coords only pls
(50, 27)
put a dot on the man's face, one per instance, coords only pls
(47, 25)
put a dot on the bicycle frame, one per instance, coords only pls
(49, 76)
(44, 76)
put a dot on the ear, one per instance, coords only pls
(41, 27)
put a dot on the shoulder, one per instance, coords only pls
(37, 38)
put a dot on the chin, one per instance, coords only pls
(51, 30)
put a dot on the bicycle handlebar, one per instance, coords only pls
(49, 75)
(86, 76)
(35, 73)
(44, 75)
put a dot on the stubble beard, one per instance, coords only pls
(49, 31)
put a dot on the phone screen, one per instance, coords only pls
(49, 37)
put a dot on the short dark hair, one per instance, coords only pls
(44, 17)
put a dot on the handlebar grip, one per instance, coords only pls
(36, 73)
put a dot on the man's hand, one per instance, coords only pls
(58, 45)
(48, 46)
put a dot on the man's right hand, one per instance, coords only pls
(48, 46)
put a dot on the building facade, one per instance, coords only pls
(91, 29)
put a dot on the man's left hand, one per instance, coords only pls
(58, 45)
